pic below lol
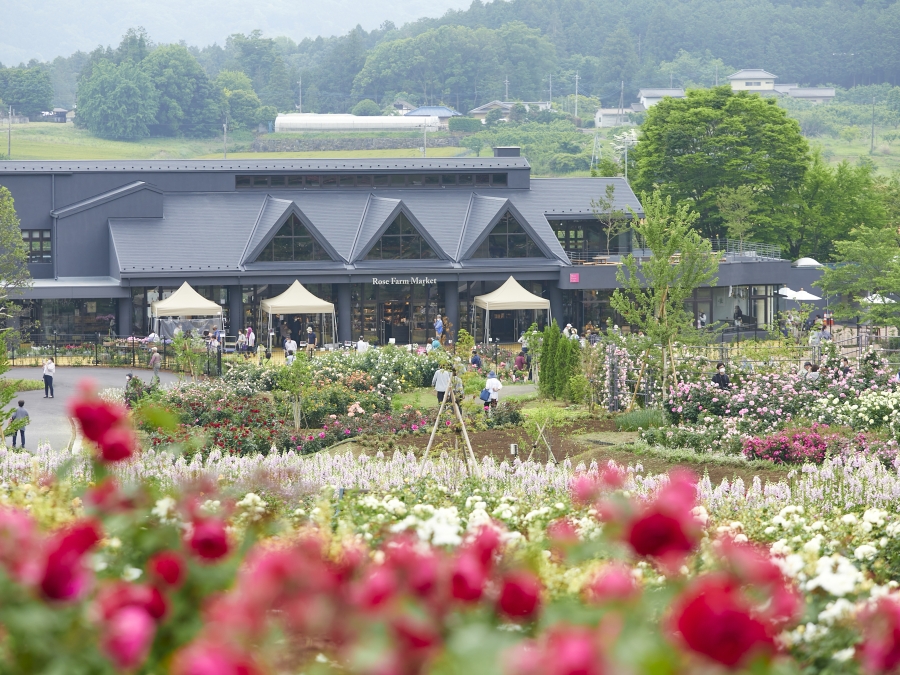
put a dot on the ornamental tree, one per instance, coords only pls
(692, 148)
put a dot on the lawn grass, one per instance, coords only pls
(836, 150)
(27, 385)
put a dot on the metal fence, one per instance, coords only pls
(100, 350)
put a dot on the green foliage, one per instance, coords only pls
(190, 354)
(694, 147)
(118, 101)
(366, 108)
(247, 377)
(494, 117)
(641, 419)
(464, 342)
(737, 207)
(319, 403)
(474, 144)
(506, 414)
(559, 360)
(452, 61)
(870, 266)
(14, 272)
(578, 389)
(28, 90)
(187, 102)
(465, 124)
(554, 146)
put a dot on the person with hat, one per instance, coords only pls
(493, 385)
(155, 363)
(310, 340)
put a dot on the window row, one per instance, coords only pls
(37, 244)
(293, 242)
(376, 180)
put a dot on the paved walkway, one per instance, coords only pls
(49, 421)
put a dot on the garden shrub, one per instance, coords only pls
(248, 377)
(578, 389)
(465, 124)
(506, 414)
(794, 447)
(640, 419)
(318, 403)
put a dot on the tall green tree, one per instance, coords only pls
(737, 206)
(118, 102)
(187, 101)
(869, 269)
(619, 57)
(28, 90)
(694, 147)
(14, 274)
(829, 203)
(652, 294)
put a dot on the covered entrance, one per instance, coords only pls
(394, 322)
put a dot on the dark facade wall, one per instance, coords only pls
(32, 195)
(730, 274)
(82, 246)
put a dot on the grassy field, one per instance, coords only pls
(885, 157)
(44, 140)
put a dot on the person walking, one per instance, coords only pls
(290, 345)
(49, 372)
(155, 363)
(20, 414)
(241, 341)
(310, 341)
(720, 379)
(251, 339)
(439, 329)
(493, 385)
(441, 382)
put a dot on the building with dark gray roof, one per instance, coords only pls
(392, 242)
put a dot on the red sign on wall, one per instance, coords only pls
(574, 277)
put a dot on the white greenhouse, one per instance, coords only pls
(313, 122)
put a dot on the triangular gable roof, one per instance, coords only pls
(186, 302)
(511, 295)
(272, 216)
(297, 300)
(752, 72)
(487, 107)
(466, 252)
(379, 215)
(105, 197)
(482, 211)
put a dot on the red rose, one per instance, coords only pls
(520, 595)
(208, 658)
(127, 637)
(117, 444)
(715, 620)
(20, 546)
(65, 577)
(167, 567)
(117, 595)
(378, 586)
(613, 584)
(880, 649)
(468, 577)
(666, 529)
(209, 540)
(96, 417)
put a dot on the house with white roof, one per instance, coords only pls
(752, 79)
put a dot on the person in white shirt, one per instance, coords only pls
(49, 372)
(290, 345)
(441, 382)
(493, 385)
(251, 339)
(362, 345)
(241, 341)
(289, 359)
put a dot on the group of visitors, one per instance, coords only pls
(811, 373)
(450, 379)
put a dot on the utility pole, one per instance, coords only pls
(872, 144)
(621, 110)
(300, 89)
(576, 94)
(506, 82)
(225, 141)
(551, 91)
(9, 134)
(717, 73)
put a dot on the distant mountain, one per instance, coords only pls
(49, 28)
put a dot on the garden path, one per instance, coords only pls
(49, 421)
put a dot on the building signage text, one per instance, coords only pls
(393, 281)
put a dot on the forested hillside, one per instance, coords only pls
(464, 57)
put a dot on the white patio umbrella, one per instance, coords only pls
(787, 292)
(878, 299)
(804, 295)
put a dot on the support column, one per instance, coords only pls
(126, 309)
(451, 306)
(556, 305)
(344, 312)
(235, 310)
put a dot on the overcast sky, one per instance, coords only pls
(45, 29)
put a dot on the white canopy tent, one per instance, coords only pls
(186, 302)
(298, 300)
(510, 296)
